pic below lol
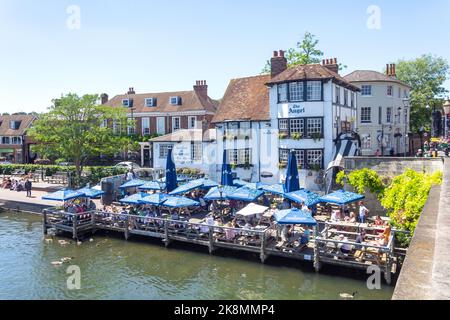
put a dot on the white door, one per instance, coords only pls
(161, 125)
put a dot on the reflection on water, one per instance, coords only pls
(112, 268)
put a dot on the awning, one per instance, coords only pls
(252, 209)
(346, 147)
(341, 197)
(294, 216)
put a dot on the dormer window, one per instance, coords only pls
(150, 102)
(126, 102)
(15, 125)
(175, 101)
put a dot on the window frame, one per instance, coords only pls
(173, 123)
(366, 86)
(145, 119)
(302, 161)
(164, 149)
(189, 122)
(369, 114)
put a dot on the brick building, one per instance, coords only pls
(157, 114)
(14, 144)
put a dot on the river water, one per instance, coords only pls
(112, 268)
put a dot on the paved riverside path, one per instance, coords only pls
(18, 200)
(425, 274)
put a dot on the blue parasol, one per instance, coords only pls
(64, 195)
(305, 196)
(294, 216)
(246, 194)
(171, 173)
(341, 197)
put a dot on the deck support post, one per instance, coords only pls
(262, 255)
(317, 264)
(44, 215)
(127, 231)
(166, 233)
(75, 226)
(93, 216)
(211, 240)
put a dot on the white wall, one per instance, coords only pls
(379, 98)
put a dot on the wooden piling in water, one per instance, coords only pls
(75, 226)
(44, 214)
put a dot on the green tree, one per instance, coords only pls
(306, 52)
(73, 130)
(426, 75)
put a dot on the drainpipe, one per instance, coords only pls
(259, 152)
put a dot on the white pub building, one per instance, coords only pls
(307, 109)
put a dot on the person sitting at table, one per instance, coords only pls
(352, 218)
(304, 207)
(230, 234)
(304, 239)
(384, 237)
(335, 216)
(345, 247)
(378, 221)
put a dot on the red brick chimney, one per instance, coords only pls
(390, 70)
(131, 91)
(278, 63)
(201, 88)
(331, 64)
(104, 98)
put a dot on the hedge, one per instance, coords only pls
(94, 174)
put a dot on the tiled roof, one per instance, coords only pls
(25, 122)
(190, 101)
(310, 72)
(187, 135)
(371, 76)
(245, 99)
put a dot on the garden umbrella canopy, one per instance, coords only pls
(341, 197)
(275, 189)
(227, 174)
(214, 193)
(294, 216)
(171, 173)
(155, 199)
(191, 185)
(292, 183)
(64, 195)
(133, 184)
(91, 192)
(245, 194)
(179, 202)
(252, 185)
(153, 185)
(305, 196)
(252, 209)
(134, 199)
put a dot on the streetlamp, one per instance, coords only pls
(446, 107)
(406, 105)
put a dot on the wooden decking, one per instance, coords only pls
(321, 249)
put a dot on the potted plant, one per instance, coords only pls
(316, 136)
(296, 136)
(282, 135)
(282, 165)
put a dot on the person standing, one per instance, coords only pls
(28, 186)
(363, 212)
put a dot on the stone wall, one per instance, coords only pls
(392, 166)
(426, 271)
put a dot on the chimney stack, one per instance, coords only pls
(331, 64)
(278, 63)
(104, 98)
(201, 88)
(131, 91)
(390, 70)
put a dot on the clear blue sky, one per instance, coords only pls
(167, 45)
